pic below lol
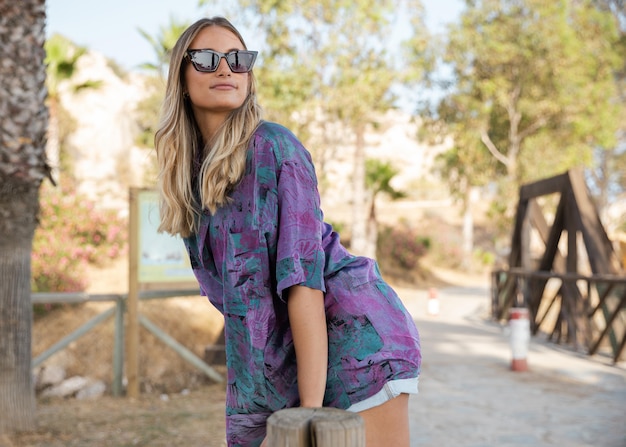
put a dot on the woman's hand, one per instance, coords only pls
(307, 318)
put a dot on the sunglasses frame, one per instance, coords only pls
(190, 53)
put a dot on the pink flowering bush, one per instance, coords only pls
(401, 246)
(72, 234)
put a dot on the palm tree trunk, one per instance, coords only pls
(23, 120)
(17, 400)
(372, 230)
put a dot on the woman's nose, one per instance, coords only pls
(222, 67)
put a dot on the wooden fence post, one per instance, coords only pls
(132, 300)
(315, 427)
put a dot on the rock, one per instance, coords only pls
(104, 154)
(50, 375)
(66, 388)
(93, 390)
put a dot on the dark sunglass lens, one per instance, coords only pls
(205, 60)
(240, 61)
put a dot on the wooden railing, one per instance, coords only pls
(118, 311)
(587, 312)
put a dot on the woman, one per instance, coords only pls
(243, 194)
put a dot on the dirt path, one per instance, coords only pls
(470, 397)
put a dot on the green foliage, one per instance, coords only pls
(520, 71)
(331, 60)
(484, 258)
(72, 233)
(401, 247)
(378, 176)
(61, 58)
(163, 43)
(148, 110)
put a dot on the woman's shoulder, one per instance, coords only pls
(282, 141)
(269, 129)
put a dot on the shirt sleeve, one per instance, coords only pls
(300, 255)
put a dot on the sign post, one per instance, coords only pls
(155, 261)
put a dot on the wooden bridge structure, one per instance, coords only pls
(567, 272)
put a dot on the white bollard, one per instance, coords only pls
(433, 302)
(519, 326)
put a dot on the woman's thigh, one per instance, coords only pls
(388, 424)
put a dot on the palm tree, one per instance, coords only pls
(162, 44)
(149, 108)
(24, 121)
(378, 176)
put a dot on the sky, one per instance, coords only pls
(110, 26)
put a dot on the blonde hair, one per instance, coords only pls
(178, 139)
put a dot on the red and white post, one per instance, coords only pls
(433, 302)
(519, 325)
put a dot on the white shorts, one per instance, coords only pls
(391, 390)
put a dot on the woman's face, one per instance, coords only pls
(215, 95)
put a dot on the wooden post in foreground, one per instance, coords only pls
(315, 427)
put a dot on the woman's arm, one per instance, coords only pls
(307, 318)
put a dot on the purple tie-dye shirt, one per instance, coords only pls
(271, 236)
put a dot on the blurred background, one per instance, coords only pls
(423, 119)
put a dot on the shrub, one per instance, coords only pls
(72, 233)
(484, 258)
(402, 246)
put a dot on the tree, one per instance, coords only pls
(378, 176)
(162, 44)
(335, 62)
(23, 120)
(520, 69)
(608, 177)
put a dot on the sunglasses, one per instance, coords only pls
(207, 61)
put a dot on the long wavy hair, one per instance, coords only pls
(183, 195)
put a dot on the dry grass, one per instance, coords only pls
(193, 420)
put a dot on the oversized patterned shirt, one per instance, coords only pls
(271, 236)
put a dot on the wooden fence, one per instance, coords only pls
(117, 311)
(587, 312)
(563, 267)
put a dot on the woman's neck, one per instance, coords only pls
(209, 124)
